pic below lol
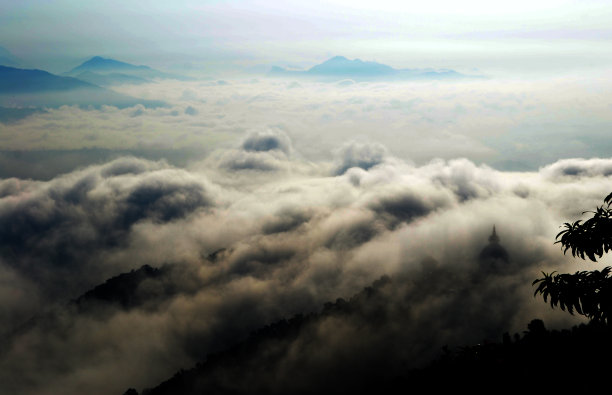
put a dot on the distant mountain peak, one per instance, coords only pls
(345, 66)
(339, 67)
(344, 60)
(107, 66)
(98, 63)
(337, 58)
(26, 85)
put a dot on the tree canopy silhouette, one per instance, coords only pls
(588, 293)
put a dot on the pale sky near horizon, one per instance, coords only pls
(520, 36)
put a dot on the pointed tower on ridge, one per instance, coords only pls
(493, 257)
(494, 238)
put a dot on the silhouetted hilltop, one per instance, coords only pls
(553, 360)
(146, 288)
(249, 367)
(113, 72)
(379, 341)
(341, 67)
(125, 290)
(25, 88)
(14, 80)
(98, 63)
(366, 344)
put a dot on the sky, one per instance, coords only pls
(259, 198)
(519, 36)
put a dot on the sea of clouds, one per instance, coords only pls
(302, 194)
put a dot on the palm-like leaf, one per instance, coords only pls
(589, 239)
(587, 292)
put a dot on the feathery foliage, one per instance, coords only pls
(588, 293)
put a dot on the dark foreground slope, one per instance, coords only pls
(553, 361)
(369, 344)
(562, 361)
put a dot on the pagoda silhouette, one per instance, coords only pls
(493, 257)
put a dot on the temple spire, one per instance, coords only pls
(494, 238)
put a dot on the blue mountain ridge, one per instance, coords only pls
(33, 88)
(114, 72)
(98, 63)
(14, 80)
(342, 67)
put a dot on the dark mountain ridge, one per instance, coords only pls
(14, 80)
(33, 88)
(122, 290)
(261, 364)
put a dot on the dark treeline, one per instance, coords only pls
(552, 360)
(566, 359)
(264, 364)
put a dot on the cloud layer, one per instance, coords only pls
(243, 246)
(508, 124)
(261, 199)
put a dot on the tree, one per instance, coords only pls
(588, 293)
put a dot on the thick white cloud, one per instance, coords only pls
(239, 254)
(274, 199)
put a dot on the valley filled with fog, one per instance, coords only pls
(260, 198)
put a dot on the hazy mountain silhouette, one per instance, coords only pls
(249, 366)
(144, 288)
(108, 71)
(341, 67)
(366, 344)
(98, 63)
(14, 80)
(27, 88)
(123, 290)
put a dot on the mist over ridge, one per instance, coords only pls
(265, 244)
